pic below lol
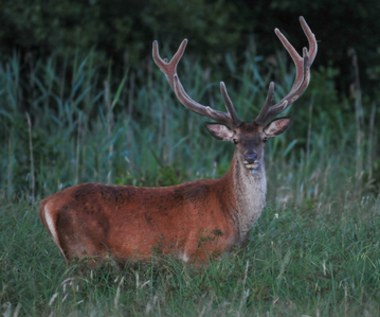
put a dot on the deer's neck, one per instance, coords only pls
(249, 191)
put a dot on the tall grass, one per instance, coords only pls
(314, 252)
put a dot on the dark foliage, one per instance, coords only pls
(123, 30)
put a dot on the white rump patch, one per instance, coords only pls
(52, 228)
(184, 257)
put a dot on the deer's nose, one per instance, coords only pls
(250, 157)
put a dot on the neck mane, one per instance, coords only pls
(249, 191)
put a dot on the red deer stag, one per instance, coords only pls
(193, 221)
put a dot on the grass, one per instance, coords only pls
(297, 262)
(314, 252)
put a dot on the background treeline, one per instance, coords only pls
(122, 31)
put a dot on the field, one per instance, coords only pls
(314, 252)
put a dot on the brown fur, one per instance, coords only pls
(191, 220)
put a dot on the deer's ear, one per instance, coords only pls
(276, 127)
(220, 131)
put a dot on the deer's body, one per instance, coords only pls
(193, 221)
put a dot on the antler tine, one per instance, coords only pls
(302, 76)
(228, 103)
(170, 70)
(260, 119)
(313, 47)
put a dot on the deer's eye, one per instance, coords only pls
(235, 141)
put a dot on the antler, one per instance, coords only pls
(228, 118)
(302, 78)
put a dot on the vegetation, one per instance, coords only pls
(120, 30)
(69, 116)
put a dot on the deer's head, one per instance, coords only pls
(249, 139)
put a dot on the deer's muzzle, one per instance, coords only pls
(251, 162)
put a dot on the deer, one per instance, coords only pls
(196, 221)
